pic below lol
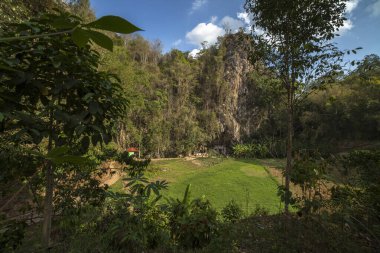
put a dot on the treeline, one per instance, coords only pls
(179, 104)
(169, 113)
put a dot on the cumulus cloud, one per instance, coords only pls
(209, 32)
(374, 8)
(244, 16)
(204, 32)
(247, 19)
(351, 5)
(194, 53)
(347, 25)
(231, 24)
(197, 4)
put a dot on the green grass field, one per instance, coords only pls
(219, 180)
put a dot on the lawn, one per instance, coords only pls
(219, 180)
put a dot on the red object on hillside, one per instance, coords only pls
(132, 150)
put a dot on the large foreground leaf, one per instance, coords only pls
(113, 24)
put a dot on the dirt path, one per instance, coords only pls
(164, 159)
(193, 160)
(111, 178)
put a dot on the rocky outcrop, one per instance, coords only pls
(238, 116)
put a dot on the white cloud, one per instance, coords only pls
(351, 5)
(347, 25)
(194, 53)
(204, 32)
(231, 24)
(209, 32)
(213, 19)
(177, 43)
(245, 17)
(197, 4)
(374, 8)
(259, 31)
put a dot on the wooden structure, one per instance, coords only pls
(133, 151)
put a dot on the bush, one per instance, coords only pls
(192, 222)
(232, 212)
(128, 222)
(260, 211)
(356, 201)
(133, 231)
(309, 173)
(256, 150)
(11, 234)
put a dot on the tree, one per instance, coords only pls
(19, 10)
(293, 39)
(180, 78)
(52, 93)
(82, 9)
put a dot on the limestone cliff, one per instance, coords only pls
(237, 114)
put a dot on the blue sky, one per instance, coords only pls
(185, 24)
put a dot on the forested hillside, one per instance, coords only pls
(179, 103)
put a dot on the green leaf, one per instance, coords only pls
(70, 83)
(80, 129)
(114, 24)
(101, 39)
(88, 96)
(1, 117)
(3, 67)
(95, 139)
(80, 37)
(36, 135)
(59, 155)
(64, 23)
(56, 152)
(106, 138)
(93, 107)
(85, 143)
(71, 159)
(156, 191)
(56, 62)
(130, 183)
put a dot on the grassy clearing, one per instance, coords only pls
(219, 180)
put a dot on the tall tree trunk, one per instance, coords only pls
(289, 147)
(48, 203)
(48, 206)
(139, 149)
